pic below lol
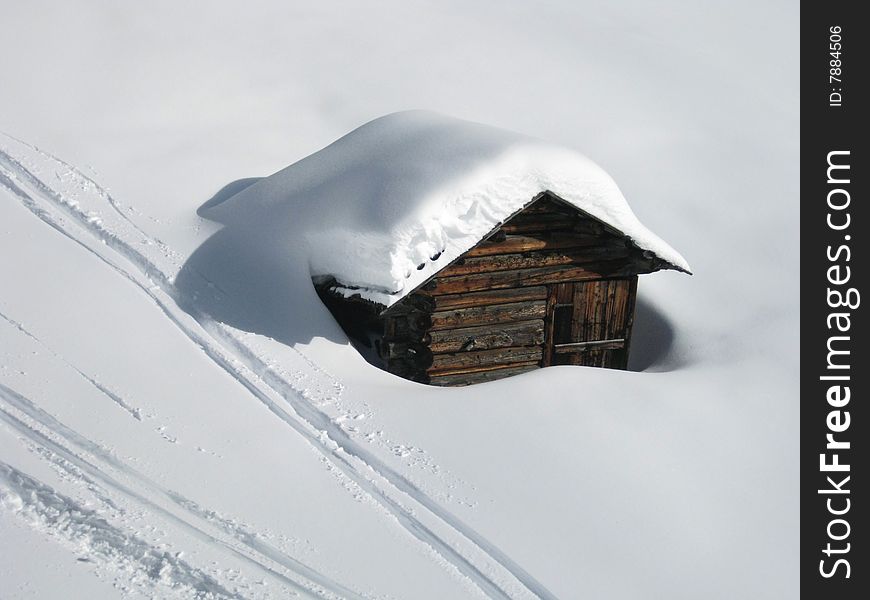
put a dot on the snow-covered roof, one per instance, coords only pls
(393, 202)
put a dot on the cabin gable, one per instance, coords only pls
(550, 285)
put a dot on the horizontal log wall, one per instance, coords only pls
(485, 316)
(503, 296)
(461, 339)
(537, 276)
(482, 376)
(481, 360)
(489, 314)
(534, 259)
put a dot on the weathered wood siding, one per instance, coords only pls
(550, 286)
(591, 323)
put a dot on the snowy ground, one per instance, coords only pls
(148, 449)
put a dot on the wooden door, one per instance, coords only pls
(589, 323)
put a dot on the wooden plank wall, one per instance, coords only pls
(600, 315)
(489, 314)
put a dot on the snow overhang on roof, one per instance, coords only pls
(390, 204)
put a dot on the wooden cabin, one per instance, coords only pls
(453, 252)
(550, 285)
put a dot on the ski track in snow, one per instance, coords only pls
(64, 518)
(294, 400)
(194, 520)
(134, 412)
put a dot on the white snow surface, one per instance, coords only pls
(180, 417)
(391, 203)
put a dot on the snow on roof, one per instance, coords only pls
(393, 202)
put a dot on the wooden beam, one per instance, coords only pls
(531, 260)
(487, 337)
(524, 243)
(488, 315)
(484, 298)
(482, 359)
(552, 294)
(537, 276)
(459, 379)
(593, 345)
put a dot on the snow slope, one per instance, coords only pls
(291, 392)
(180, 417)
(396, 200)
